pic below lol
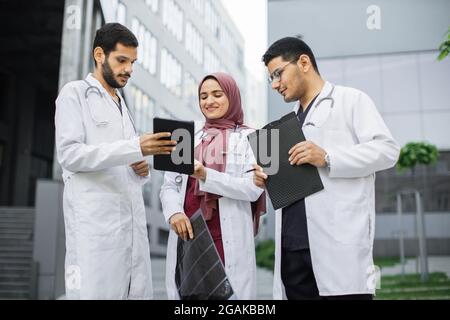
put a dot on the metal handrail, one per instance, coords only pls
(419, 228)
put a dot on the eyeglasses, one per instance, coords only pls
(276, 75)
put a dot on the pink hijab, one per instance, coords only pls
(233, 119)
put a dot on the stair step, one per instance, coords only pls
(22, 291)
(15, 243)
(15, 273)
(17, 211)
(17, 248)
(14, 255)
(16, 220)
(16, 223)
(17, 216)
(5, 232)
(8, 223)
(15, 227)
(16, 261)
(16, 237)
(6, 210)
(14, 294)
(13, 285)
(15, 231)
(15, 278)
(15, 268)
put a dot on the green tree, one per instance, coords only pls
(414, 153)
(444, 48)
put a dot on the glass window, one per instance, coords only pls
(121, 13)
(147, 46)
(153, 53)
(152, 4)
(135, 26)
(211, 62)
(194, 43)
(433, 182)
(190, 91)
(173, 18)
(171, 72)
(212, 19)
(198, 5)
(142, 110)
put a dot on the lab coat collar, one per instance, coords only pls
(94, 82)
(327, 87)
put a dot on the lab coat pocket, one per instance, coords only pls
(351, 223)
(337, 138)
(98, 213)
(99, 113)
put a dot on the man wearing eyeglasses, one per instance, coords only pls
(324, 242)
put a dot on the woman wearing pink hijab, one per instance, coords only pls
(220, 186)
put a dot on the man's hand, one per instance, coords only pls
(141, 168)
(181, 224)
(307, 152)
(152, 144)
(259, 177)
(199, 171)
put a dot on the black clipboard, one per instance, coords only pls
(164, 162)
(290, 183)
(199, 272)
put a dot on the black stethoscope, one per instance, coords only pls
(94, 89)
(328, 97)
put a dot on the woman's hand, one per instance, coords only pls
(259, 177)
(141, 168)
(181, 224)
(199, 171)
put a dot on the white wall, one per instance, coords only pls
(411, 91)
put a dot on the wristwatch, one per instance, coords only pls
(327, 160)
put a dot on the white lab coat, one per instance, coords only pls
(238, 191)
(107, 249)
(341, 218)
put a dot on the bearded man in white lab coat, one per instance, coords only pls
(104, 169)
(324, 242)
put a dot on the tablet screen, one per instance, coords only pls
(182, 159)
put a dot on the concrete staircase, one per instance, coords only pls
(17, 271)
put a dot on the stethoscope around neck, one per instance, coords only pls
(94, 89)
(316, 105)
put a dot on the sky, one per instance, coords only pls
(250, 17)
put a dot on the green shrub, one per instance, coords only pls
(417, 153)
(265, 254)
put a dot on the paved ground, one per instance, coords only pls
(435, 264)
(265, 277)
(264, 281)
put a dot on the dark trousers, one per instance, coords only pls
(299, 281)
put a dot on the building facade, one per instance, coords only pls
(387, 49)
(48, 44)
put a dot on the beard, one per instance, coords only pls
(109, 76)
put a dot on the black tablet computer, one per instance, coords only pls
(182, 159)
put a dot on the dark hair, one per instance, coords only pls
(110, 34)
(289, 48)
